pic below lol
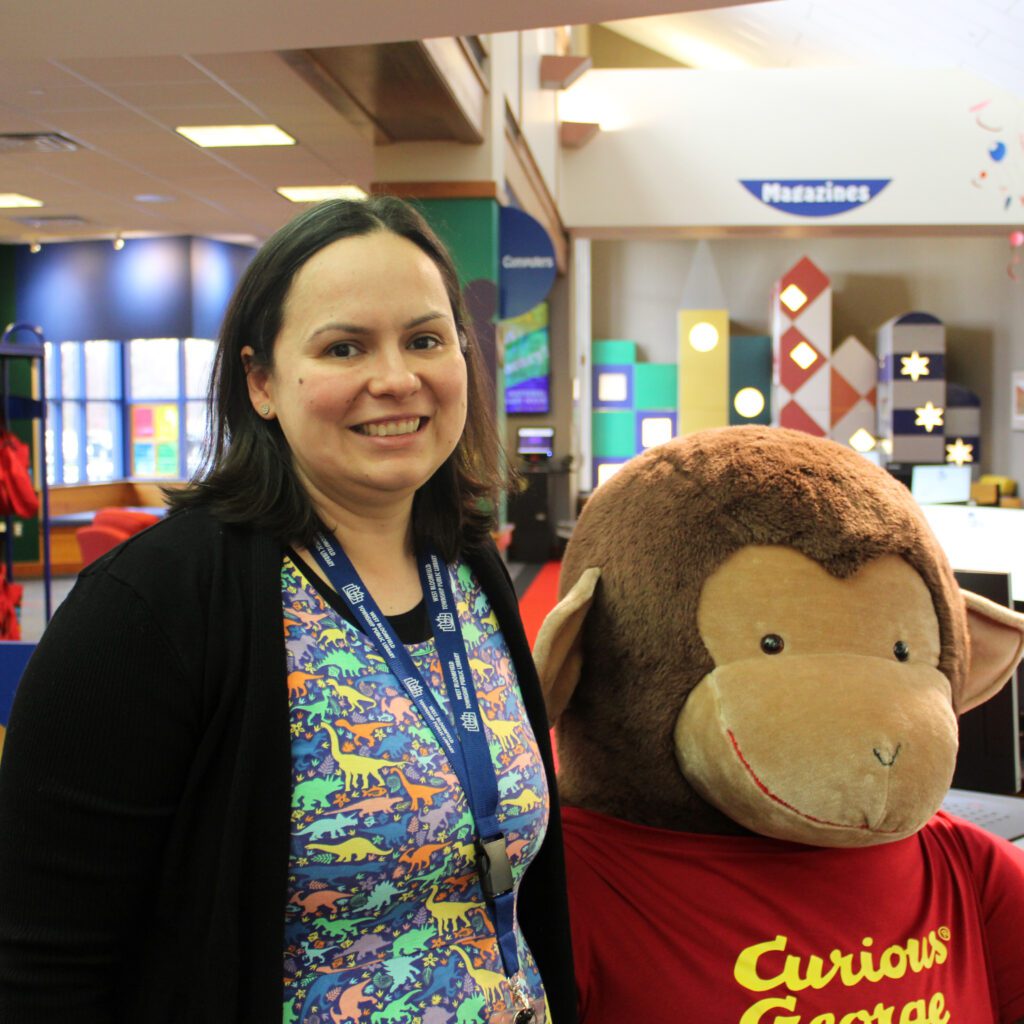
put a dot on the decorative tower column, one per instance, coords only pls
(802, 346)
(912, 388)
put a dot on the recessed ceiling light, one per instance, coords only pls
(211, 136)
(14, 200)
(317, 193)
(152, 197)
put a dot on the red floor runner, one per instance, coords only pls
(540, 597)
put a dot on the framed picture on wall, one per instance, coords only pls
(1017, 402)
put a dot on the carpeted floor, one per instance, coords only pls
(537, 597)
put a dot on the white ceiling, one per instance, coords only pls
(985, 37)
(117, 77)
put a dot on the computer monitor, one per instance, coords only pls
(989, 759)
(535, 444)
(945, 484)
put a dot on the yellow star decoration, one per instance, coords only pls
(928, 416)
(914, 366)
(959, 452)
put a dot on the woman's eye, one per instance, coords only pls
(342, 349)
(425, 341)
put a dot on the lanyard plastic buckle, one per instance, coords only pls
(493, 866)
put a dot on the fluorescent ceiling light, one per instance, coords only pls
(14, 200)
(317, 193)
(211, 136)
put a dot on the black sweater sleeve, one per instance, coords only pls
(98, 747)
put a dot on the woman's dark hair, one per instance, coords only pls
(247, 474)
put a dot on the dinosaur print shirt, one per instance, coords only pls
(385, 920)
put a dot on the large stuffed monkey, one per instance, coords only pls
(755, 671)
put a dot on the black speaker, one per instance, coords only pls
(529, 511)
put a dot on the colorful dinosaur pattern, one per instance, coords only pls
(385, 921)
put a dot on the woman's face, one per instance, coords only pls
(369, 379)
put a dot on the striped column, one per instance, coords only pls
(963, 425)
(912, 388)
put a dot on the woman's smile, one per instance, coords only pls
(391, 428)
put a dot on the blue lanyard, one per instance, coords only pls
(463, 740)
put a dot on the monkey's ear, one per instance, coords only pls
(997, 644)
(558, 650)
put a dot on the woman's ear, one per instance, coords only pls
(257, 379)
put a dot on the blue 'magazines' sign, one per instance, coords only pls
(527, 266)
(815, 197)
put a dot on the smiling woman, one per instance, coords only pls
(276, 696)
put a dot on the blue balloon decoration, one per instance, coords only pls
(998, 151)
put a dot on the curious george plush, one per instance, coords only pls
(756, 668)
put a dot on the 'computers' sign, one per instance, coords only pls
(528, 268)
(815, 197)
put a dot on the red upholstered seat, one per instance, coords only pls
(109, 527)
(128, 519)
(94, 541)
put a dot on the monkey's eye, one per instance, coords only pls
(772, 643)
(901, 650)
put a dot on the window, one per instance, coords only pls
(83, 390)
(134, 408)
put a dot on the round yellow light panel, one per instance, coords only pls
(703, 336)
(748, 402)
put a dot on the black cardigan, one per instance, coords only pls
(145, 792)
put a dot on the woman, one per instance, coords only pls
(214, 778)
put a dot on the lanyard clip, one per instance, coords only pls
(493, 866)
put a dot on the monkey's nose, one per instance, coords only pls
(886, 755)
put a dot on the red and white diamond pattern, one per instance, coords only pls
(803, 393)
(854, 390)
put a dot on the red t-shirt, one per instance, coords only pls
(675, 927)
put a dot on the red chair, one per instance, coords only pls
(109, 527)
(130, 520)
(94, 541)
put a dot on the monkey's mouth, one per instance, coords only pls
(864, 826)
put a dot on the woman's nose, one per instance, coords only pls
(390, 374)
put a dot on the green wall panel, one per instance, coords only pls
(469, 228)
(613, 434)
(655, 386)
(613, 352)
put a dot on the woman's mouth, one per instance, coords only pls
(390, 428)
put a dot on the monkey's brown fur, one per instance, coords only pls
(658, 530)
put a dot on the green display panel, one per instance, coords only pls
(612, 352)
(655, 386)
(750, 367)
(613, 434)
(469, 229)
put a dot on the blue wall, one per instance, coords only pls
(152, 288)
